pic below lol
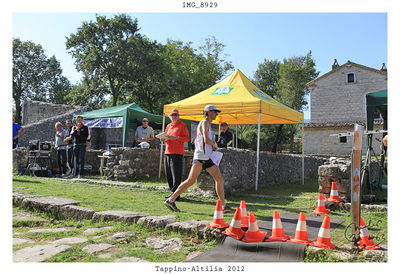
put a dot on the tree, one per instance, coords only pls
(35, 77)
(266, 78)
(149, 90)
(88, 93)
(106, 52)
(285, 81)
(59, 85)
(193, 70)
(294, 73)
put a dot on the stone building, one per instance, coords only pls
(337, 102)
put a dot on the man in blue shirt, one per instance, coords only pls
(17, 132)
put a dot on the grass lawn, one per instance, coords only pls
(289, 198)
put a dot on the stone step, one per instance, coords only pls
(38, 253)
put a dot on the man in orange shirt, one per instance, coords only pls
(178, 134)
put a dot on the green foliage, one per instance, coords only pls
(106, 51)
(191, 70)
(123, 66)
(294, 73)
(286, 82)
(35, 76)
(267, 76)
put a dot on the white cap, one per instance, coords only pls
(211, 108)
(144, 145)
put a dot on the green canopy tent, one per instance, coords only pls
(132, 115)
(375, 101)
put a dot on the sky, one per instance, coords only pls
(250, 38)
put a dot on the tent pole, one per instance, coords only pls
(161, 147)
(302, 152)
(258, 148)
(236, 137)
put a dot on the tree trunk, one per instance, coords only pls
(18, 110)
(291, 139)
(114, 91)
(277, 138)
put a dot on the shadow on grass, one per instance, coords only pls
(283, 193)
(22, 180)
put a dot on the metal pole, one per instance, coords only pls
(302, 152)
(161, 148)
(236, 137)
(258, 148)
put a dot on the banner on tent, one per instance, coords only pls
(109, 122)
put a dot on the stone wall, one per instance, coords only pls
(339, 170)
(136, 163)
(44, 130)
(238, 167)
(20, 159)
(333, 99)
(35, 111)
(317, 140)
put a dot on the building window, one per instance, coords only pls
(343, 139)
(351, 78)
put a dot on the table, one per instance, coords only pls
(102, 158)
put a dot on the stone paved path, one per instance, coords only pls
(38, 253)
(35, 244)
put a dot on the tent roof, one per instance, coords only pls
(376, 100)
(121, 111)
(240, 102)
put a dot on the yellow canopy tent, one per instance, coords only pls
(241, 102)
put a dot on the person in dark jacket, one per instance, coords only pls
(70, 152)
(81, 138)
(225, 138)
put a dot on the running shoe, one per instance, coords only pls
(171, 206)
(228, 209)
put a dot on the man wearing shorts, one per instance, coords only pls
(204, 145)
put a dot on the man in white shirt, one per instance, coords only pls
(144, 133)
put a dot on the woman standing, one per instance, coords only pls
(178, 134)
(61, 147)
(81, 137)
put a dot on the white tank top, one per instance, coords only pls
(202, 151)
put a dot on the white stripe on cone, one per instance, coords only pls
(364, 232)
(301, 226)
(276, 224)
(244, 212)
(334, 193)
(253, 227)
(321, 203)
(218, 215)
(324, 233)
(236, 223)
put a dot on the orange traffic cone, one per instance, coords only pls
(254, 235)
(218, 221)
(366, 242)
(234, 230)
(321, 209)
(324, 235)
(278, 234)
(243, 217)
(301, 235)
(334, 196)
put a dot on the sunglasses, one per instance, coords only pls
(174, 115)
(145, 121)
